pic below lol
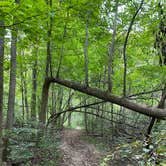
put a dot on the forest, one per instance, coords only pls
(82, 83)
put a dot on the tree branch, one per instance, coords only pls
(145, 93)
(55, 115)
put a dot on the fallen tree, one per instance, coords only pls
(103, 95)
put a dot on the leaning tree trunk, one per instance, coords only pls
(2, 33)
(104, 95)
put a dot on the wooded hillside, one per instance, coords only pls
(98, 65)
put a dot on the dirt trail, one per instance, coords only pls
(76, 152)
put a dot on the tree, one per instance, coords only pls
(111, 49)
(34, 86)
(86, 49)
(48, 70)
(2, 34)
(12, 84)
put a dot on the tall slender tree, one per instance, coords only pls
(2, 33)
(86, 49)
(12, 82)
(34, 86)
(125, 47)
(48, 70)
(111, 49)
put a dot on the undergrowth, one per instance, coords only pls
(29, 145)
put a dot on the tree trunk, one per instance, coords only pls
(26, 97)
(34, 88)
(12, 83)
(25, 106)
(125, 46)
(121, 101)
(54, 103)
(22, 95)
(86, 50)
(44, 101)
(2, 34)
(152, 122)
(61, 51)
(111, 50)
(45, 89)
(49, 33)
(86, 119)
(59, 108)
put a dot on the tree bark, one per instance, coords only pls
(61, 51)
(49, 33)
(26, 97)
(22, 95)
(86, 50)
(111, 50)
(12, 83)
(2, 34)
(34, 87)
(44, 101)
(121, 101)
(86, 118)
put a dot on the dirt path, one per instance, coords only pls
(76, 152)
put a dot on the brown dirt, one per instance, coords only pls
(76, 152)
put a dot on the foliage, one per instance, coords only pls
(67, 22)
(26, 146)
(136, 153)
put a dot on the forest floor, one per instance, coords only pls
(77, 152)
